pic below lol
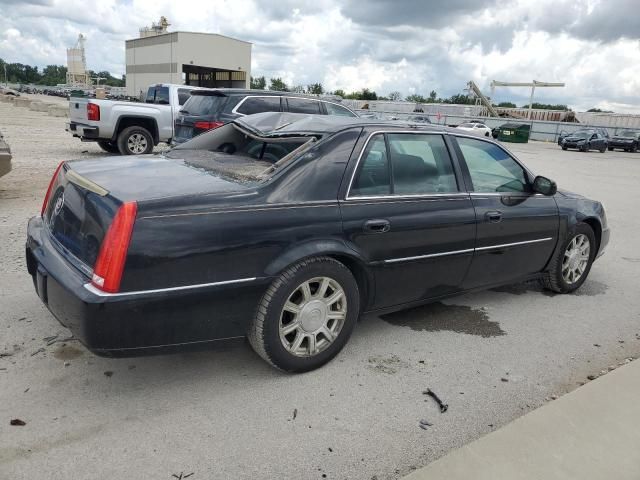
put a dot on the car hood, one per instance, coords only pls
(148, 177)
(567, 194)
(571, 138)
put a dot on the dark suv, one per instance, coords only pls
(627, 140)
(208, 109)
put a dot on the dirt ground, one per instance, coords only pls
(224, 413)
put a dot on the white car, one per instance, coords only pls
(476, 128)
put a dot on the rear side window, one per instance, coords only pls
(302, 105)
(183, 95)
(334, 109)
(372, 177)
(259, 104)
(491, 168)
(204, 104)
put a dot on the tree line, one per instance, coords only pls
(277, 84)
(50, 75)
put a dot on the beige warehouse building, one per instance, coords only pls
(189, 58)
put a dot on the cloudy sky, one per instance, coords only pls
(413, 46)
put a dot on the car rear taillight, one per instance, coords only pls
(109, 266)
(93, 111)
(207, 125)
(48, 194)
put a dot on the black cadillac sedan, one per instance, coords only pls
(285, 228)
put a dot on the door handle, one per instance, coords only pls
(493, 217)
(376, 226)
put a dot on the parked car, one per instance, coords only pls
(129, 128)
(475, 128)
(585, 141)
(215, 239)
(627, 140)
(601, 131)
(210, 109)
(5, 157)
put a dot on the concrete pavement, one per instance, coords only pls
(590, 433)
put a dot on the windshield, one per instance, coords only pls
(203, 104)
(581, 134)
(467, 125)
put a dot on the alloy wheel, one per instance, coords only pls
(576, 259)
(313, 316)
(137, 143)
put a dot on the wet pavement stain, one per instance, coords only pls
(589, 288)
(438, 316)
(67, 352)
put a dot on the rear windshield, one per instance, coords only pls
(235, 154)
(78, 218)
(204, 105)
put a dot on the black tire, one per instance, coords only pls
(109, 147)
(610, 149)
(130, 135)
(553, 279)
(634, 149)
(564, 148)
(264, 331)
(486, 134)
(603, 149)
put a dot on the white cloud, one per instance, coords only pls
(401, 48)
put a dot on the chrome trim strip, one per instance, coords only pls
(256, 208)
(414, 196)
(366, 143)
(100, 293)
(432, 255)
(514, 244)
(467, 250)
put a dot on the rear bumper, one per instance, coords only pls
(125, 325)
(85, 132)
(616, 144)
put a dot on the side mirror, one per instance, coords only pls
(545, 186)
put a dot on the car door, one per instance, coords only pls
(517, 229)
(407, 215)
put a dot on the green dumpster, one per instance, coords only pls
(514, 132)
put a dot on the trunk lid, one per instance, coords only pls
(86, 195)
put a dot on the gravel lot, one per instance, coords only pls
(491, 356)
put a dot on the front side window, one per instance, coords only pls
(302, 105)
(491, 168)
(334, 109)
(259, 104)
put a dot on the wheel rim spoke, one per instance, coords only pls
(313, 316)
(576, 258)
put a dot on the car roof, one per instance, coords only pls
(284, 123)
(261, 93)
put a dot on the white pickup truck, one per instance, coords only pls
(129, 128)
